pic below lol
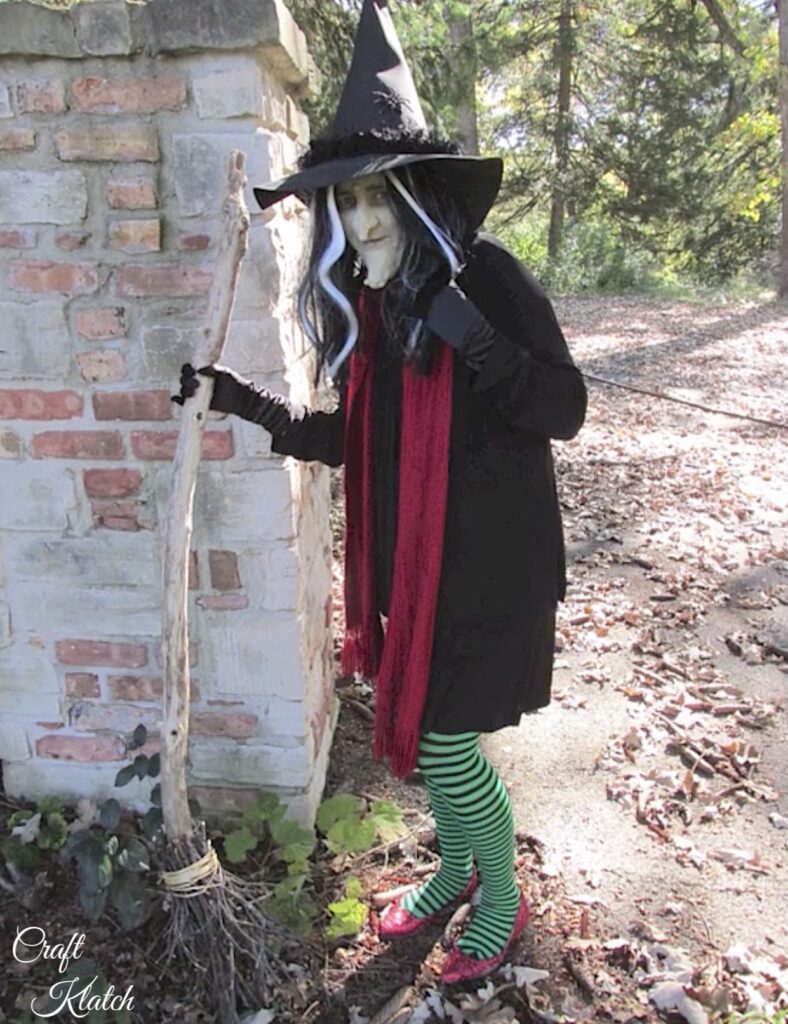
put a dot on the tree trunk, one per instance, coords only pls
(175, 638)
(782, 14)
(464, 65)
(564, 56)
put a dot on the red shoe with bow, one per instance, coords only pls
(459, 966)
(397, 922)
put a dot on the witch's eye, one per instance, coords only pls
(345, 202)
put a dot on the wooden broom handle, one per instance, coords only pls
(175, 635)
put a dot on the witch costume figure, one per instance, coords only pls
(452, 375)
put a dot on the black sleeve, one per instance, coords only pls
(312, 435)
(528, 374)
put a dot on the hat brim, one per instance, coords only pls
(473, 181)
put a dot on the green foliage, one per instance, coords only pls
(348, 827)
(31, 832)
(349, 915)
(110, 870)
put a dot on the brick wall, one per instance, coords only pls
(115, 126)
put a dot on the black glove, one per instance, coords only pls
(457, 321)
(233, 393)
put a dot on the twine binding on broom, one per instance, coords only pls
(195, 878)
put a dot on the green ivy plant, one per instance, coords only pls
(112, 866)
(349, 827)
(34, 831)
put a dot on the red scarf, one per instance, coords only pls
(400, 659)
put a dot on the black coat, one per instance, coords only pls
(503, 568)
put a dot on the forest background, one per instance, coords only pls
(645, 142)
(641, 138)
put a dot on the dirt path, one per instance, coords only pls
(651, 794)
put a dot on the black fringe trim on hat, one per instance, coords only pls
(376, 143)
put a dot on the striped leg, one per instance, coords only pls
(479, 802)
(455, 867)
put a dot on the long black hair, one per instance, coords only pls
(332, 275)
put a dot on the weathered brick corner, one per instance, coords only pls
(116, 121)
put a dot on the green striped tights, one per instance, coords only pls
(473, 819)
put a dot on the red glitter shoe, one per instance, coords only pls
(396, 921)
(459, 966)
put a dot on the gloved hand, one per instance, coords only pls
(233, 393)
(456, 320)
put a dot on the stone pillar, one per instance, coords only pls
(116, 121)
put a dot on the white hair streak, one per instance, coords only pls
(432, 227)
(334, 250)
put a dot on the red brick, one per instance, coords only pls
(47, 276)
(223, 602)
(78, 444)
(143, 688)
(193, 243)
(128, 143)
(135, 236)
(224, 570)
(111, 483)
(17, 139)
(29, 404)
(131, 194)
(160, 444)
(139, 280)
(132, 405)
(82, 748)
(41, 97)
(18, 238)
(143, 95)
(68, 241)
(116, 515)
(101, 366)
(206, 723)
(100, 324)
(82, 684)
(194, 571)
(101, 652)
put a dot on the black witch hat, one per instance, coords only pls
(379, 125)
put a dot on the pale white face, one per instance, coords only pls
(371, 226)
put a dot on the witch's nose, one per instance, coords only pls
(369, 219)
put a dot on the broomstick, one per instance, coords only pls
(215, 917)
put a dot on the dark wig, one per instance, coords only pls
(327, 324)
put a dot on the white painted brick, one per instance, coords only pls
(236, 508)
(255, 346)
(282, 721)
(219, 761)
(34, 340)
(164, 350)
(43, 197)
(272, 578)
(5, 101)
(35, 496)
(258, 654)
(14, 744)
(5, 624)
(109, 558)
(232, 92)
(124, 718)
(71, 782)
(28, 670)
(14, 703)
(106, 610)
(199, 168)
